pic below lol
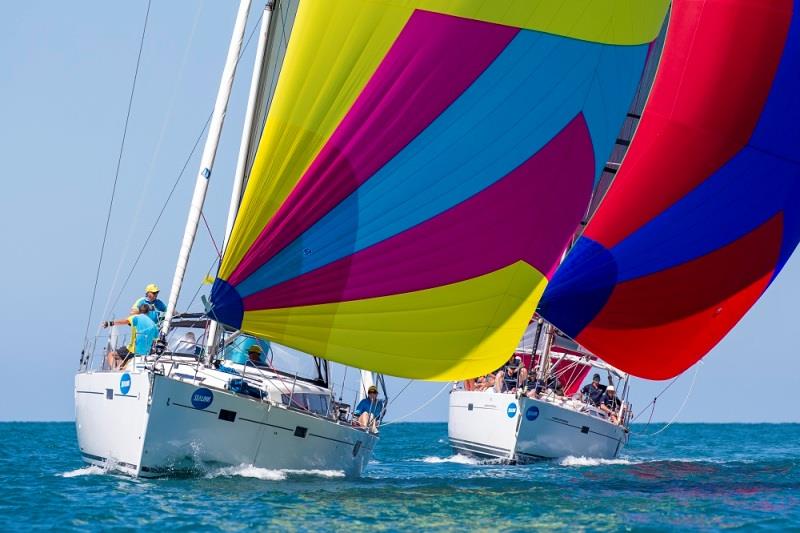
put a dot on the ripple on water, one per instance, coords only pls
(689, 477)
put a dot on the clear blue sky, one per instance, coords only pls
(65, 74)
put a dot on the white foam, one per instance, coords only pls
(593, 461)
(91, 470)
(457, 459)
(248, 471)
(270, 474)
(318, 473)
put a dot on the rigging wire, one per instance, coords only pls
(149, 174)
(177, 182)
(211, 235)
(116, 173)
(161, 213)
(657, 396)
(680, 409)
(410, 381)
(424, 405)
(197, 292)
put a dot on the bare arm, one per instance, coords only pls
(109, 323)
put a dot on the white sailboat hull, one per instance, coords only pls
(501, 426)
(152, 427)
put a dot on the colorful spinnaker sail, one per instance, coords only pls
(422, 168)
(705, 210)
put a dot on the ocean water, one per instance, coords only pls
(692, 476)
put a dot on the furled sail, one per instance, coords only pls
(705, 210)
(422, 168)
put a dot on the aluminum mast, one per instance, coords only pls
(207, 160)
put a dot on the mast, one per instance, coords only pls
(544, 359)
(244, 147)
(207, 160)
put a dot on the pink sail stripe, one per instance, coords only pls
(434, 59)
(529, 215)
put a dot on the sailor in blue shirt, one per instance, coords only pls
(238, 351)
(143, 333)
(150, 298)
(369, 410)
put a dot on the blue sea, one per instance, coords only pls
(692, 476)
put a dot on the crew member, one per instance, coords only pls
(156, 307)
(512, 376)
(369, 410)
(610, 404)
(143, 333)
(593, 392)
(254, 354)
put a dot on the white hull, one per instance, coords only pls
(152, 428)
(502, 426)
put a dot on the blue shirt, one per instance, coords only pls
(143, 333)
(157, 307)
(367, 406)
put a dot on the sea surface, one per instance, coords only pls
(692, 476)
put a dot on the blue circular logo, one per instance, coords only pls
(125, 383)
(532, 413)
(202, 398)
(512, 410)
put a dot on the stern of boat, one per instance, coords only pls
(483, 424)
(111, 412)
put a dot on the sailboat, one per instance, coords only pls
(686, 232)
(189, 406)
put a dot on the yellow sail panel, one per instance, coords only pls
(451, 332)
(622, 22)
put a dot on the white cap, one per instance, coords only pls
(610, 388)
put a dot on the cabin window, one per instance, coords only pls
(316, 403)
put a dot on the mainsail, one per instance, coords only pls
(705, 210)
(423, 165)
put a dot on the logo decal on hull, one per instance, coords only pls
(512, 410)
(532, 413)
(202, 398)
(125, 383)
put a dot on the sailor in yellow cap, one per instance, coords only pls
(369, 410)
(150, 298)
(254, 354)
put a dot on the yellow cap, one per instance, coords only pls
(152, 288)
(372, 388)
(255, 348)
